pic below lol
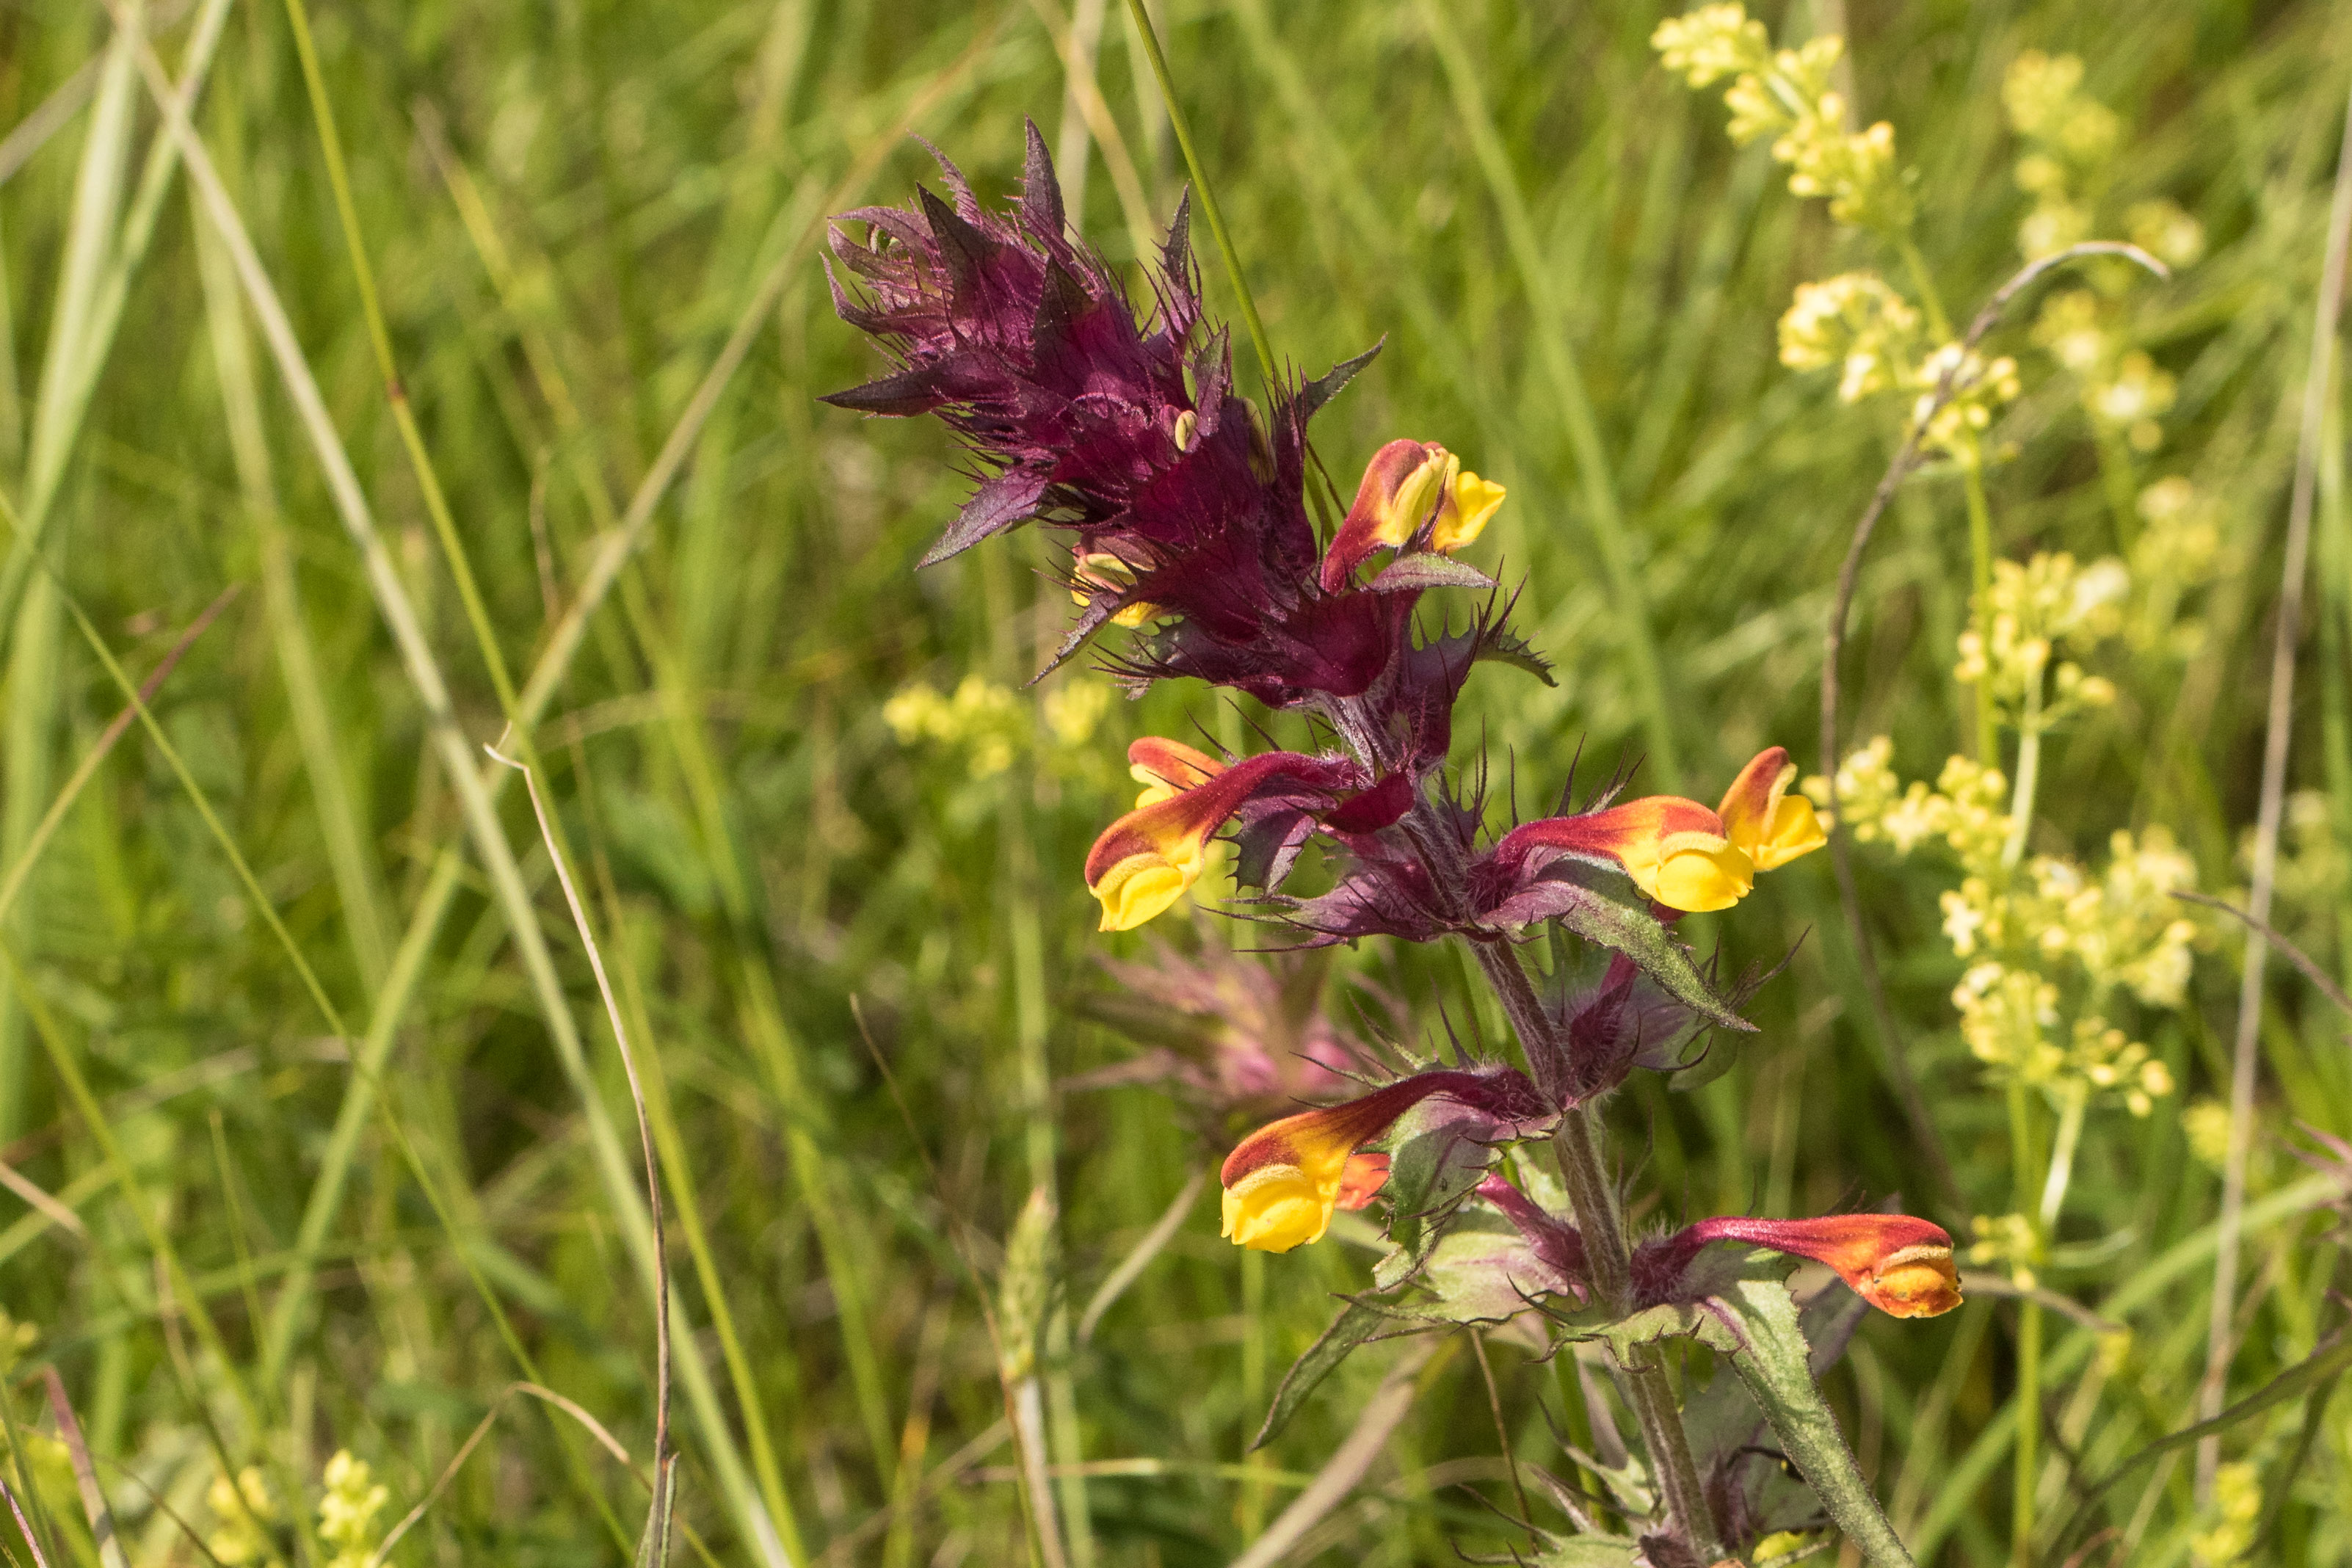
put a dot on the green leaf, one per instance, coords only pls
(1481, 1270)
(1776, 1364)
(1503, 646)
(1633, 932)
(1589, 1552)
(1671, 1321)
(1411, 574)
(1439, 1150)
(1357, 1324)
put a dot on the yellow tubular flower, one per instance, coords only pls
(1146, 860)
(1767, 823)
(1283, 1181)
(1675, 850)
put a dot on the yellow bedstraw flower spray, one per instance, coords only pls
(347, 1510)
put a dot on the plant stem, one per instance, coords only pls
(1593, 1195)
(2028, 771)
(1980, 575)
(2028, 1433)
(1924, 282)
(2028, 1338)
(2116, 476)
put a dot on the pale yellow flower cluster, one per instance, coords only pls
(2009, 1240)
(2236, 1513)
(1785, 94)
(2068, 137)
(1871, 335)
(1856, 323)
(994, 724)
(347, 1510)
(2180, 550)
(1973, 386)
(2069, 140)
(2041, 932)
(2045, 607)
(243, 1510)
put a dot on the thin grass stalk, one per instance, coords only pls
(1087, 122)
(2277, 729)
(33, 674)
(1556, 357)
(614, 549)
(1382, 1414)
(11, 883)
(678, 1169)
(172, 1272)
(428, 481)
(93, 1496)
(1144, 30)
(658, 1526)
(772, 1044)
(29, 135)
(359, 883)
(69, 380)
(426, 679)
(1961, 1481)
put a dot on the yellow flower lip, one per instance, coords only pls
(1144, 862)
(1283, 1181)
(1768, 823)
(1470, 503)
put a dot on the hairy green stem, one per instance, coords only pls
(1593, 1195)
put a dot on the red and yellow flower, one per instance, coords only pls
(1899, 1265)
(1406, 485)
(1283, 1181)
(1146, 860)
(1674, 849)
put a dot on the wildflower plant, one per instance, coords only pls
(1190, 543)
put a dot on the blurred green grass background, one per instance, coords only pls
(571, 212)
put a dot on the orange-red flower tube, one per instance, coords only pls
(1768, 823)
(1674, 849)
(1899, 1265)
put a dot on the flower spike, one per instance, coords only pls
(1770, 826)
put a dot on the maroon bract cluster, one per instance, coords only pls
(1184, 510)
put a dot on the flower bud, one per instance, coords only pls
(1403, 485)
(1899, 1265)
